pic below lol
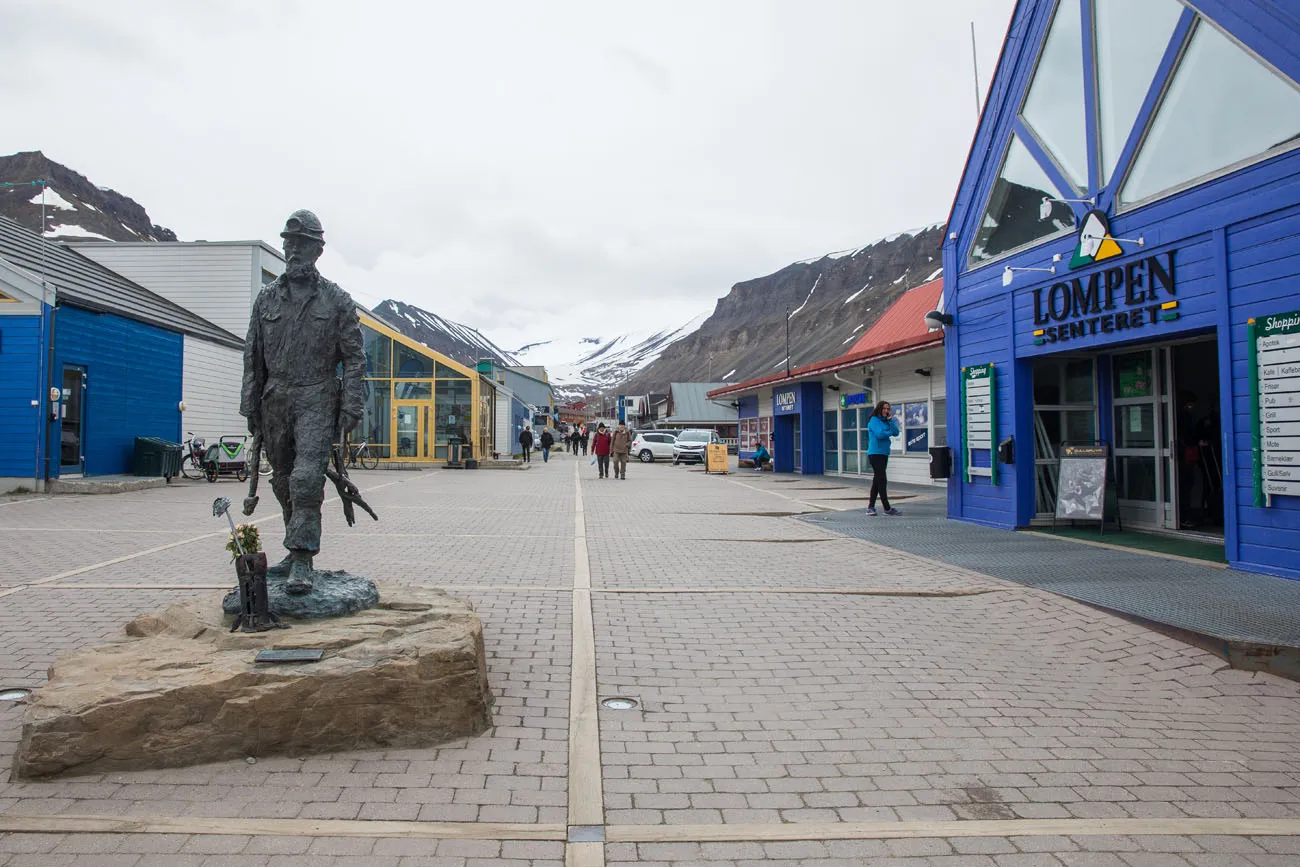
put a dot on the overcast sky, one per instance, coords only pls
(536, 169)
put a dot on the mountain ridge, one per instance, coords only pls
(74, 207)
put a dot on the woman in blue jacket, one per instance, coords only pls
(880, 429)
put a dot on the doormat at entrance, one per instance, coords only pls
(1143, 542)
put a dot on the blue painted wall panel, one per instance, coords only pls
(20, 348)
(133, 385)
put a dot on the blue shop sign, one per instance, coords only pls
(786, 402)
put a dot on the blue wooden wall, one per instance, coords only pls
(133, 389)
(20, 347)
(1237, 239)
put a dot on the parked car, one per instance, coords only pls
(650, 445)
(692, 443)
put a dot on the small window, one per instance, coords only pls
(1222, 106)
(1053, 105)
(412, 364)
(1012, 218)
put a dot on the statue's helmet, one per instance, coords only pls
(304, 223)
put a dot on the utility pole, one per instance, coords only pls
(976, 65)
(787, 342)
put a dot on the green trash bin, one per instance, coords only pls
(157, 457)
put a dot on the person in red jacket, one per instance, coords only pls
(602, 444)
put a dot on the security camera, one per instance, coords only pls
(937, 319)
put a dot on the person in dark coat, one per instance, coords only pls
(526, 443)
(547, 441)
(586, 438)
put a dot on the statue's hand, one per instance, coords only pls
(348, 421)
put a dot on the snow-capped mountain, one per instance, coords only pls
(830, 299)
(593, 365)
(461, 342)
(73, 206)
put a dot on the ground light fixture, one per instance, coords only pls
(15, 693)
(620, 702)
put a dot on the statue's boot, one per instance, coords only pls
(300, 572)
(281, 568)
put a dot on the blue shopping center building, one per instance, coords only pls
(1122, 268)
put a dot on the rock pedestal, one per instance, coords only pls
(409, 672)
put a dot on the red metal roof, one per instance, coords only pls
(905, 320)
(907, 336)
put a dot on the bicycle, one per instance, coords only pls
(192, 461)
(360, 453)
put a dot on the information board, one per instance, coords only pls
(1274, 345)
(979, 418)
(1081, 483)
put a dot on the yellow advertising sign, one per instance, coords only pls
(716, 459)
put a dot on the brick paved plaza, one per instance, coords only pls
(805, 697)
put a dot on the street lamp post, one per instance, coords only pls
(787, 342)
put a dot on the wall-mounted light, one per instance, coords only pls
(833, 387)
(937, 319)
(181, 406)
(922, 371)
(1008, 273)
(1045, 206)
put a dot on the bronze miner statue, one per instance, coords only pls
(302, 332)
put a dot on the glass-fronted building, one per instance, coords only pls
(1121, 267)
(420, 402)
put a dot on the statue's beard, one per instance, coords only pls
(300, 271)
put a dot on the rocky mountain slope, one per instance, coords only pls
(74, 207)
(831, 299)
(452, 339)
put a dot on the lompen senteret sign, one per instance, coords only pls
(1275, 408)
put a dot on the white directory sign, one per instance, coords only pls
(1275, 406)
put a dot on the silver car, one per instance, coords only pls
(653, 445)
(692, 444)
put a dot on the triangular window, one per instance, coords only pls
(1222, 106)
(1053, 106)
(1013, 218)
(1131, 40)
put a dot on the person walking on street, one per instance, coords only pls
(547, 441)
(881, 428)
(573, 440)
(526, 443)
(622, 445)
(586, 437)
(602, 444)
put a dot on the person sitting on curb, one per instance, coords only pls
(762, 456)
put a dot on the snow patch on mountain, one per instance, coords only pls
(581, 367)
(461, 342)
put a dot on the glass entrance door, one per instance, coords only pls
(71, 412)
(410, 430)
(1140, 389)
(798, 447)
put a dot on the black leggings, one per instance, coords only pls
(879, 483)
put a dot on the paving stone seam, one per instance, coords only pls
(586, 784)
(709, 833)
